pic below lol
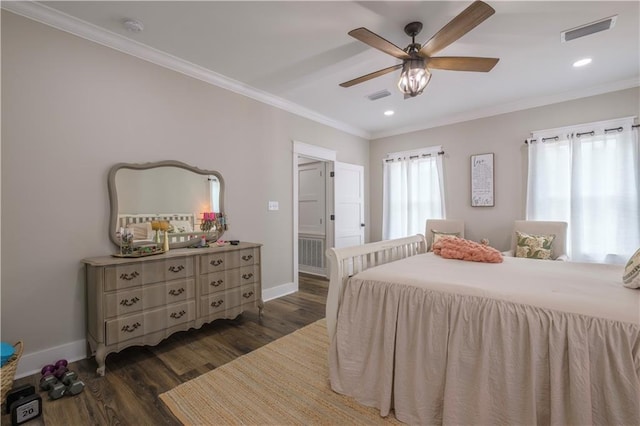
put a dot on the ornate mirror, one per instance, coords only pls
(151, 198)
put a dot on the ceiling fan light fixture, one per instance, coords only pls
(414, 77)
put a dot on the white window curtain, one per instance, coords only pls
(589, 177)
(413, 191)
(214, 190)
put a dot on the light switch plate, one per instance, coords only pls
(273, 205)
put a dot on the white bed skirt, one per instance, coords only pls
(442, 358)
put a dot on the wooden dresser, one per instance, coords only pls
(141, 301)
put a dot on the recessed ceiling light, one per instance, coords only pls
(582, 62)
(388, 113)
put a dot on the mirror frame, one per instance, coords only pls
(113, 193)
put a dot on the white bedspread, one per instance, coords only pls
(521, 342)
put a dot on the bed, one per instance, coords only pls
(183, 226)
(442, 341)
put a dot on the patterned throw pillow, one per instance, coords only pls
(533, 246)
(180, 226)
(437, 236)
(631, 277)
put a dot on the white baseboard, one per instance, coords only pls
(278, 291)
(32, 363)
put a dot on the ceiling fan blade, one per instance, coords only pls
(467, 20)
(377, 42)
(462, 63)
(370, 76)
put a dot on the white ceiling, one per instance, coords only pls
(295, 53)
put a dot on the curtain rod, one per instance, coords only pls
(413, 157)
(591, 133)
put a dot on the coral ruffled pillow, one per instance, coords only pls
(459, 248)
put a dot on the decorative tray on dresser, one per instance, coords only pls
(141, 301)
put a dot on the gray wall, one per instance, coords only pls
(72, 109)
(503, 135)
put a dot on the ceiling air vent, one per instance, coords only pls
(379, 95)
(587, 29)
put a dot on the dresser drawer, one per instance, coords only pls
(219, 302)
(249, 294)
(168, 269)
(250, 256)
(219, 281)
(217, 262)
(132, 326)
(123, 302)
(122, 276)
(132, 275)
(249, 274)
(147, 297)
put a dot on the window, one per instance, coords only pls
(589, 177)
(214, 190)
(413, 191)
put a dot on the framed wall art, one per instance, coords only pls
(482, 176)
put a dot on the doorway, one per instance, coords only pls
(313, 215)
(343, 217)
(316, 205)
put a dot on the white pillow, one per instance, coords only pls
(631, 276)
(181, 226)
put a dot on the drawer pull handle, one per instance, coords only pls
(130, 328)
(129, 277)
(127, 302)
(177, 315)
(247, 295)
(176, 268)
(217, 283)
(216, 262)
(177, 292)
(247, 276)
(246, 258)
(216, 303)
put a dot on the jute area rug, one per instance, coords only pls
(282, 383)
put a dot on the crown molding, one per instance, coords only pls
(64, 22)
(515, 106)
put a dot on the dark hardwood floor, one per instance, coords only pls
(128, 393)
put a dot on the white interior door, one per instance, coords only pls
(348, 205)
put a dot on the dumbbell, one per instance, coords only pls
(73, 386)
(59, 381)
(56, 369)
(50, 383)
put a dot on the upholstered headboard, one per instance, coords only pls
(124, 219)
(185, 227)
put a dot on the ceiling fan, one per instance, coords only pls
(418, 60)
